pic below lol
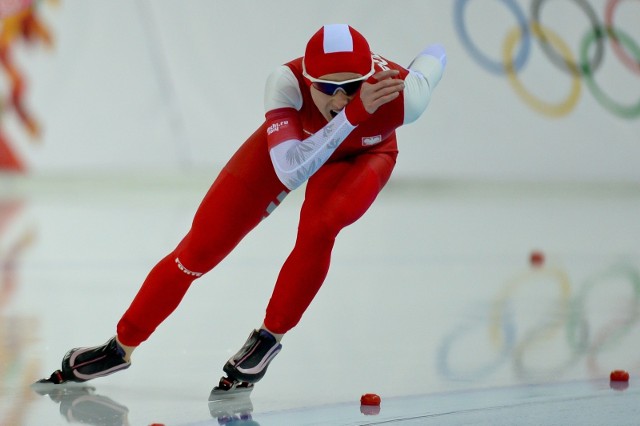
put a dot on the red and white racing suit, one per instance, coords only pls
(345, 164)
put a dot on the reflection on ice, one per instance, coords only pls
(80, 404)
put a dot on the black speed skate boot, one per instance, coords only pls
(249, 365)
(251, 362)
(82, 364)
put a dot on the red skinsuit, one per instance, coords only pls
(248, 189)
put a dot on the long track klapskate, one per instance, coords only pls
(247, 366)
(82, 364)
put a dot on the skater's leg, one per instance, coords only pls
(245, 192)
(226, 214)
(336, 196)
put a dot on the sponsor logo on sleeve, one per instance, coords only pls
(275, 127)
(371, 140)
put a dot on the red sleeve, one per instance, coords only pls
(283, 124)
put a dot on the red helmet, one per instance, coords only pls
(337, 48)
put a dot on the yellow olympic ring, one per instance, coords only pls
(546, 333)
(550, 109)
(553, 273)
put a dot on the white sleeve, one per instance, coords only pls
(425, 72)
(295, 161)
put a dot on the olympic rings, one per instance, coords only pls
(517, 47)
(569, 322)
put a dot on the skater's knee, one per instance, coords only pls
(187, 269)
(197, 256)
(320, 228)
(194, 259)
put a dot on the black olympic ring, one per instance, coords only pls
(566, 64)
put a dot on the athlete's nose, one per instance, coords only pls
(340, 99)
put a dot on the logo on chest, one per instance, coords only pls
(371, 140)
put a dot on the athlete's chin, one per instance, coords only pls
(328, 116)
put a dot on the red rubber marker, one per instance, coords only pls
(536, 259)
(619, 376)
(370, 399)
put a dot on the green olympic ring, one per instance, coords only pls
(576, 324)
(630, 111)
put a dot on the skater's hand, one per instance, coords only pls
(386, 89)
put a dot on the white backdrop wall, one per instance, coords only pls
(174, 86)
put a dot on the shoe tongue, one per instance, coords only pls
(119, 349)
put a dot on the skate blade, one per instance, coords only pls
(45, 387)
(50, 383)
(236, 392)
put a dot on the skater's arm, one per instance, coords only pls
(294, 157)
(425, 72)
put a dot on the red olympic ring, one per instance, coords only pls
(615, 42)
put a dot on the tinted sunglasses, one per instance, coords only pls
(349, 87)
(328, 87)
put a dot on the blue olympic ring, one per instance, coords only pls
(492, 65)
(444, 366)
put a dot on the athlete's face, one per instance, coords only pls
(330, 105)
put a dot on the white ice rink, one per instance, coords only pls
(431, 303)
